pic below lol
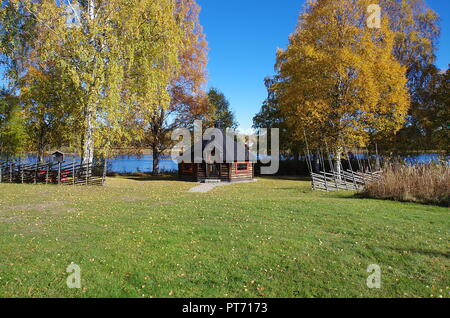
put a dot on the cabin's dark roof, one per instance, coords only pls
(221, 149)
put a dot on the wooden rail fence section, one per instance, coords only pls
(64, 173)
(346, 180)
(338, 179)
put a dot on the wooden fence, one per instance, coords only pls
(64, 173)
(345, 180)
(338, 178)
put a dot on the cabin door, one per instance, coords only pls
(213, 170)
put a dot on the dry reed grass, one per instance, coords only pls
(429, 184)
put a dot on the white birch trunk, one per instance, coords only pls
(337, 162)
(88, 140)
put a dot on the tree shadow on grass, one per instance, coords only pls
(363, 195)
(148, 177)
(288, 178)
(421, 251)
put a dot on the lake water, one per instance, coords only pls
(126, 163)
(424, 158)
(144, 163)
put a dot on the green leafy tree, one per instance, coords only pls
(416, 28)
(428, 127)
(12, 131)
(443, 117)
(223, 115)
(438, 112)
(50, 109)
(271, 116)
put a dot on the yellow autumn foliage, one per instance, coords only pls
(338, 78)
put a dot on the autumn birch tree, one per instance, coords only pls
(339, 80)
(186, 89)
(115, 54)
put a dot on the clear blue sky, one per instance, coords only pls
(243, 36)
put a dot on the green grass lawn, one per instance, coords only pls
(272, 238)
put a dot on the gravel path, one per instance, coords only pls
(206, 187)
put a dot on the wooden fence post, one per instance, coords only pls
(59, 173)
(351, 169)
(345, 180)
(1, 170)
(104, 171)
(35, 173)
(21, 172)
(324, 172)
(10, 172)
(73, 172)
(87, 173)
(46, 173)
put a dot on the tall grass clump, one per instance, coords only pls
(429, 184)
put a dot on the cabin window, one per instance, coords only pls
(186, 167)
(241, 167)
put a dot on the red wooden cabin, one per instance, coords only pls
(228, 170)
